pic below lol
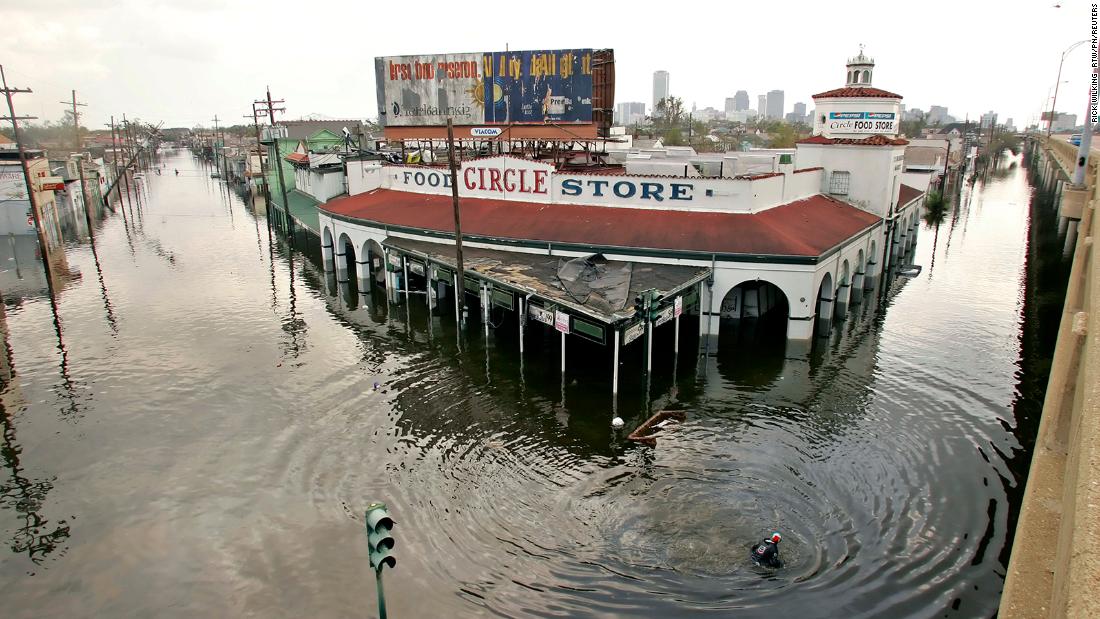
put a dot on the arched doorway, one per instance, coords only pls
(825, 300)
(375, 259)
(753, 316)
(345, 259)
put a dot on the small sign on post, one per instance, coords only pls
(633, 332)
(561, 321)
(540, 314)
(679, 305)
(663, 316)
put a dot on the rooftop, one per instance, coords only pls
(874, 140)
(805, 229)
(856, 92)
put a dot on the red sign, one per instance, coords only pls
(53, 186)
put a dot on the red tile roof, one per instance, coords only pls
(907, 194)
(857, 91)
(874, 140)
(807, 228)
(297, 158)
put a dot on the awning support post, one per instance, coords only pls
(458, 312)
(615, 367)
(676, 345)
(563, 353)
(405, 282)
(522, 318)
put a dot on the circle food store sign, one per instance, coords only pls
(863, 122)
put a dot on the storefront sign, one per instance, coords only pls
(539, 314)
(658, 191)
(561, 321)
(863, 122)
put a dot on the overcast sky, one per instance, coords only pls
(184, 61)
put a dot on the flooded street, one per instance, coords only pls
(196, 424)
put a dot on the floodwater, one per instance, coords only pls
(192, 427)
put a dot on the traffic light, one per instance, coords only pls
(639, 305)
(379, 525)
(654, 306)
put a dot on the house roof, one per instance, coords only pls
(907, 194)
(804, 228)
(298, 158)
(857, 91)
(874, 140)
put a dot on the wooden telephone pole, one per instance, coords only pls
(269, 103)
(80, 160)
(43, 246)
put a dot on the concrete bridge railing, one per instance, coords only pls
(1054, 569)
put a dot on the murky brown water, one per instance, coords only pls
(196, 433)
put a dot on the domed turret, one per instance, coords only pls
(860, 70)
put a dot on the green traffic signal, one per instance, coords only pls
(379, 540)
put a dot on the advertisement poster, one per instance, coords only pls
(491, 88)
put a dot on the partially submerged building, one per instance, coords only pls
(800, 241)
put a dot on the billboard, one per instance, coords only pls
(489, 88)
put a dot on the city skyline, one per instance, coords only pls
(191, 63)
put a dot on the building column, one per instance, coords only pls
(841, 311)
(857, 288)
(341, 266)
(327, 257)
(800, 327)
(870, 276)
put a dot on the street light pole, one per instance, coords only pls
(1050, 120)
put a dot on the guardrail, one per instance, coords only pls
(1055, 563)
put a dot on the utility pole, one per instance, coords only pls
(118, 179)
(225, 163)
(460, 280)
(270, 111)
(44, 247)
(263, 167)
(80, 161)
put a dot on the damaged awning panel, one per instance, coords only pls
(591, 285)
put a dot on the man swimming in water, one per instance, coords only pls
(766, 553)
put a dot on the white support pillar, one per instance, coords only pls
(458, 312)
(676, 345)
(386, 270)
(429, 290)
(485, 309)
(615, 367)
(521, 319)
(405, 282)
(563, 352)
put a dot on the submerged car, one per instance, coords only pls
(1075, 139)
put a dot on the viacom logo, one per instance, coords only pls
(485, 132)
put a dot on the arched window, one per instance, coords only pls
(866, 77)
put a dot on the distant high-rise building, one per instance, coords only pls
(740, 101)
(775, 104)
(660, 88)
(731, 105)
(761, 105)
(988, 119)
(800, 112)
(937, 115)
(629, 112)
(1009, 125)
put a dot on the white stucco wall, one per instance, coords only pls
(875, 172)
